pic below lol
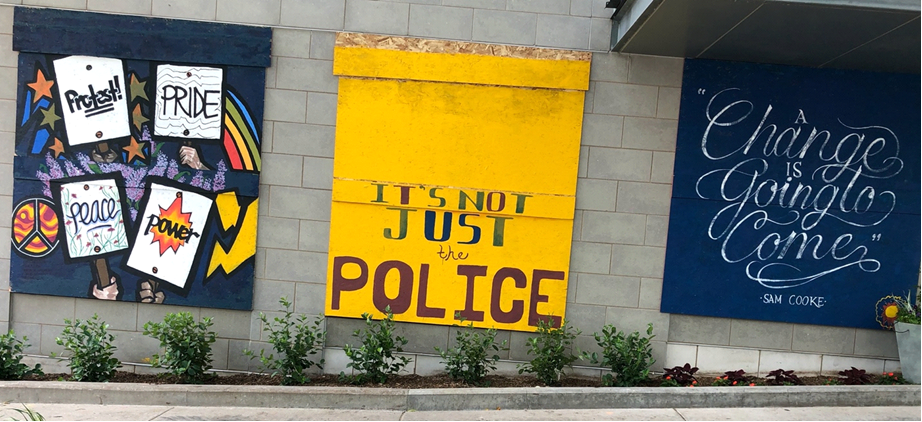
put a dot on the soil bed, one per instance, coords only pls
(407, 381)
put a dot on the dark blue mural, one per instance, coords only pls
(137, 158)
(796, 194)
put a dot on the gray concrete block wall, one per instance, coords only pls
(618, 254)
(623, 190)
(8, 63)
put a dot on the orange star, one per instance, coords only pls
(57, 147)
(134, 149)
(41, 86)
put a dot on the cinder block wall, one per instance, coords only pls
(623, 191)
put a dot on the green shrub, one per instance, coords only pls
(11, 366)
(470, 359)
(628, 356)
(551, 350)
(375, 359)
(294, 340)
(186, 345)
(90, 346)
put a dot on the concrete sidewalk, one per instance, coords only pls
(116, 401)
(451, 399)
(89, 412)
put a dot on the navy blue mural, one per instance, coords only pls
(137, 158)
(796, 194)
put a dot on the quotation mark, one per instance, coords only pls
(875, 237)
(701, 91)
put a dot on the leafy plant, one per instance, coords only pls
(551, 350)
(294, 340)
(29, 414)
(831, 381)
(854, 376)
(782, 377)
(908, 312)
(680, 375)
(375, 359)
(628, 356)
(11, 366)
(890, 378)
(90, 345)
(186, 345)
(732, 378)
(470, 359)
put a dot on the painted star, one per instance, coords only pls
(137, 88)
(137, 117)
(57, 147)
(49, 116)
(41, 86)
(134, 149)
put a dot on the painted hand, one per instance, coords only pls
(109, 292)
(149, 294)
(190, 157)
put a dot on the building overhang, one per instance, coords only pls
(873, 35)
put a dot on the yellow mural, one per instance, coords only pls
(454, 180)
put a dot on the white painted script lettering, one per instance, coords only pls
(775, 201)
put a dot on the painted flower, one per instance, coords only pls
(887, 309)
(890, 310)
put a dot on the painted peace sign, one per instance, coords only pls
(35, 227)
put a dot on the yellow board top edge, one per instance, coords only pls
(421, 45)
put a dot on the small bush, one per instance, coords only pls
(294, 340)
(733, 378)
(782, 377)
(186, 345)
(551, 350)
(90, 346)
(375, 359)
(470, 359)
(11, 366)
(890, 378)
(680, 376)
(831, 381)
(854, 376)
(628, 356)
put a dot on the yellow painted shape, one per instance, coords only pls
(228, 209)
(529, 244)
(244, 245)
(461, 68)
(390, 194)
(478, 137)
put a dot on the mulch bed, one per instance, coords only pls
(403, 381)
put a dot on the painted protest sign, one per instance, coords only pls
(795, 195)
(94, 222)
(93, 100)
(188, 103)
(169, 234)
